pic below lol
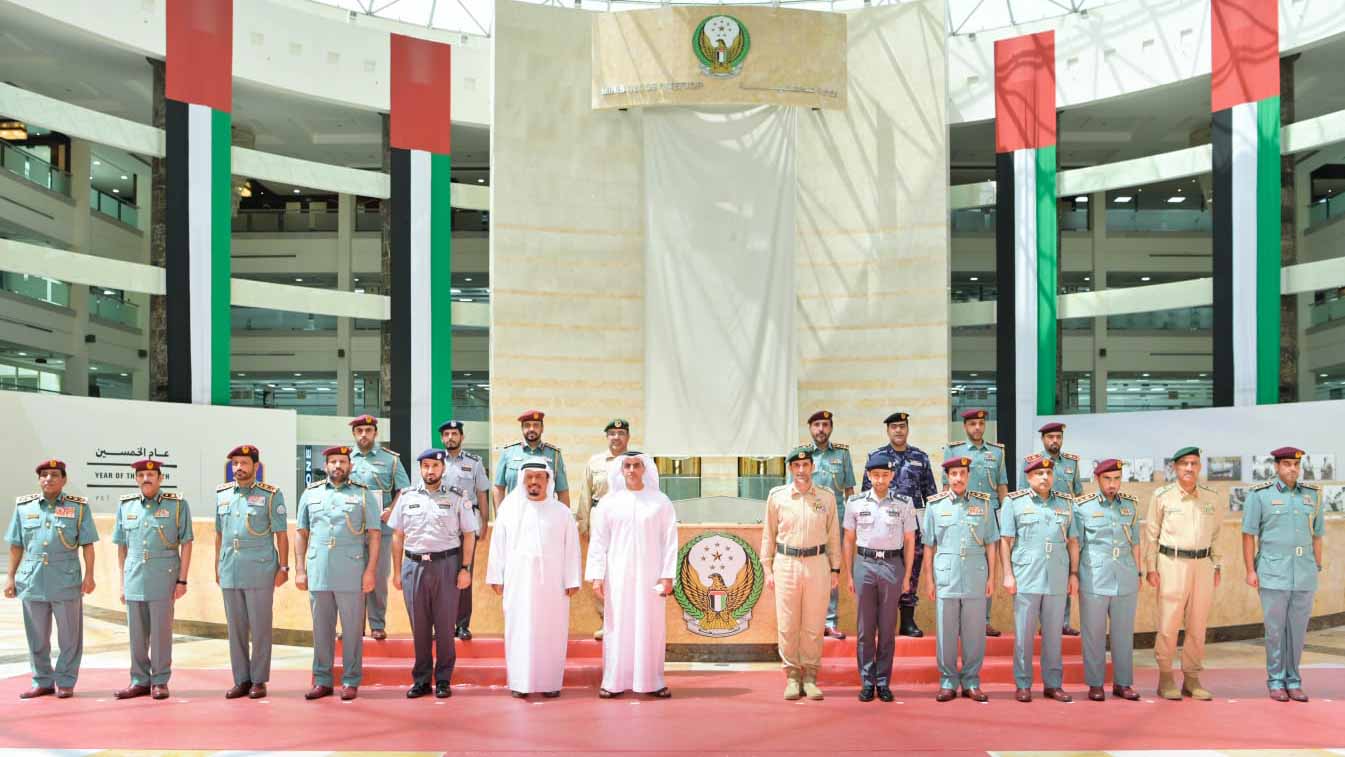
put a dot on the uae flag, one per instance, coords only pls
(1026, 249)
(1245, 100)
(198, 89)
(422, 228)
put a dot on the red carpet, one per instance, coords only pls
(717, 712)
(481, 662)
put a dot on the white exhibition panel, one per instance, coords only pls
(99, 438)
(719, 280)
(1217, 431)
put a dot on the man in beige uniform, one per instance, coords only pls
(1182, 560)
(801, 557)
(594, 485)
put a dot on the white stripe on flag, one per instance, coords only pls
(422, 321)
(1243, 207)
(199, 206)
(1025, 297)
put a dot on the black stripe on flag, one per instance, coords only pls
(400, 401)
(1221, 142)
(1006, 379)
(177, 258)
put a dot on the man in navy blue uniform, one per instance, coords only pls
(912, 478)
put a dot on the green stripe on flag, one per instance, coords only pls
(1268, 251)
(441, 284)
(1048, 264)
(221, 212)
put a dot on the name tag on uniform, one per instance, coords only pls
(161, 514)
(65, 512)
(256, 500)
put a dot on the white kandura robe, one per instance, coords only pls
(534, 554)
(632, 545)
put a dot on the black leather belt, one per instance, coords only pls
(781, 549)
(432, 556)
(879, 554)
(1186, 554)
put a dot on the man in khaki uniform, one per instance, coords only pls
(801, 557)
(1183, 561)
(594, 485)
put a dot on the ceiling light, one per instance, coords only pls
(1176, 199)
(1123, 199)
(1081, 198)
(14, 131)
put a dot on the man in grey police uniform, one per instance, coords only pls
(434, 528)
(1036, 530)
(252, 560)
(47, 533)
(382, 472)
(467, 472)
(878, 552)
(153, 535)
(960, 532)
(336, 558)
(1282, 530)
(1106, 563)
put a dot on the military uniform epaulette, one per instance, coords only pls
(1019, 493)
(1312, 487)
(1070, 455)
(129, 497)
(170, 495)
(1127, 497)
(226, 486)
(979, 495)
(1082, 498)
(1263, 485)
(26, 498)
(938, 498)
(76, 499)
(267, 487)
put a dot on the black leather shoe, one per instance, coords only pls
(885, 694)
(442, 690)
(866, 694)
(418, 690)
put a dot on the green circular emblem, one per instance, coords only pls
(721, 43)
(719, 580)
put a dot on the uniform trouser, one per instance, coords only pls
(431, 593)
(1286, 617)
(376, 601)
(1095, 610)
(69, 617)
(961, 620)
(801, 586)
(910, 597)
(1185, 593)
(1028, 611)
(248, 613)
(151, 629)
(878, 586)
(326, 606)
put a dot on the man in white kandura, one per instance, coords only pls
(534, 564)
(632, 559)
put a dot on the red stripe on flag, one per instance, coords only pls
(1245, 52)
(199, 60)
(421, 104)
(1025, 92)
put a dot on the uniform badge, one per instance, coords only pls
(65, 512)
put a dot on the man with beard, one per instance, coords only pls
(534, 565)
(632, 561)
(912, 477)
(511, 460)
(595, 484)
(832, 470)
(434, 528)
(1066, 481)
(467, 472)
(336, 567)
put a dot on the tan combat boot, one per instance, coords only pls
(1167, 686)
(793, 690)
(810, 689)
(1191, 688)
